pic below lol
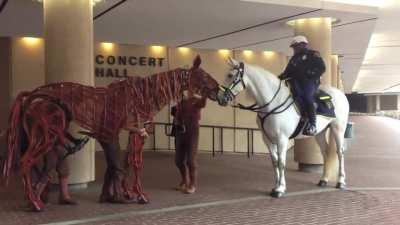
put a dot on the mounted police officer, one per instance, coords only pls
(303, 72)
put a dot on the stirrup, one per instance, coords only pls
(310, 130)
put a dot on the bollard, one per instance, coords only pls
(349, 133)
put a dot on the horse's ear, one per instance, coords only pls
(197, 62)
(232, 62)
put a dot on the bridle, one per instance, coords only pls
(280, 108)
(238, 79)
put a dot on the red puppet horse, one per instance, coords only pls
(40, 119)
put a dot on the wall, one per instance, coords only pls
(110, 65)
(27, 64)
(358, 102)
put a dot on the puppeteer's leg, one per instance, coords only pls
(63, 174)
(113, 190)
(180, 160)
(43, 184)
(191, 148)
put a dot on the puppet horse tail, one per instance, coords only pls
(15, 137)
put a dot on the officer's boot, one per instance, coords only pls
(311, 129)
(80, 143)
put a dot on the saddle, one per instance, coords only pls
(324, 103)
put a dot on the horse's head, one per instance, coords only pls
(234, 83)
(201, 82)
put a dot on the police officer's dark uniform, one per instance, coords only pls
(305, 69)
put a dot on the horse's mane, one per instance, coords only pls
(261, 70)
(136, 99)
(144, 96)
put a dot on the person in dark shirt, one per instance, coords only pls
(303, 72)
(186, 121)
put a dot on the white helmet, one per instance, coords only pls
(298, 39)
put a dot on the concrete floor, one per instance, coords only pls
(234, 190)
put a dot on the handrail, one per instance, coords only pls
(249, 130)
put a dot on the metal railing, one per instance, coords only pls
(220, 129)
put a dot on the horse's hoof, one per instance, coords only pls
(276, 194)
(322, 183)
(142, 199)
(340, 186)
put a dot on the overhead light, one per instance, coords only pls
(247, 53)
(224, 52)
(94, 2)
(184, 50)
(268, 53)
(107, 46)
(312, 19)
(31, 41)
(157, 48)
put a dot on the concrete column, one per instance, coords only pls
(5, 84)
(335, 73)
(319, 34)
(371, 104)
(398, 102)
(377, 103)
(68, 33)
(5, 79)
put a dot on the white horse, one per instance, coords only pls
(278, 117)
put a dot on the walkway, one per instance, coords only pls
(234, 190)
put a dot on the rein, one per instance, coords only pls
(258, 109)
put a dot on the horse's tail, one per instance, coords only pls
(16, 137)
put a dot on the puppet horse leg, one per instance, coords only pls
(137, 167)
(33, 199)
(35, 150)
(134, 163)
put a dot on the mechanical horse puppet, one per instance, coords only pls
(278, 117)
(39, 120)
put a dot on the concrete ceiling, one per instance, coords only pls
(230, 24)
(380, 71)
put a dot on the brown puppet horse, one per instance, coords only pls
(41, 118)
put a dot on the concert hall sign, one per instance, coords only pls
(116, 66)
